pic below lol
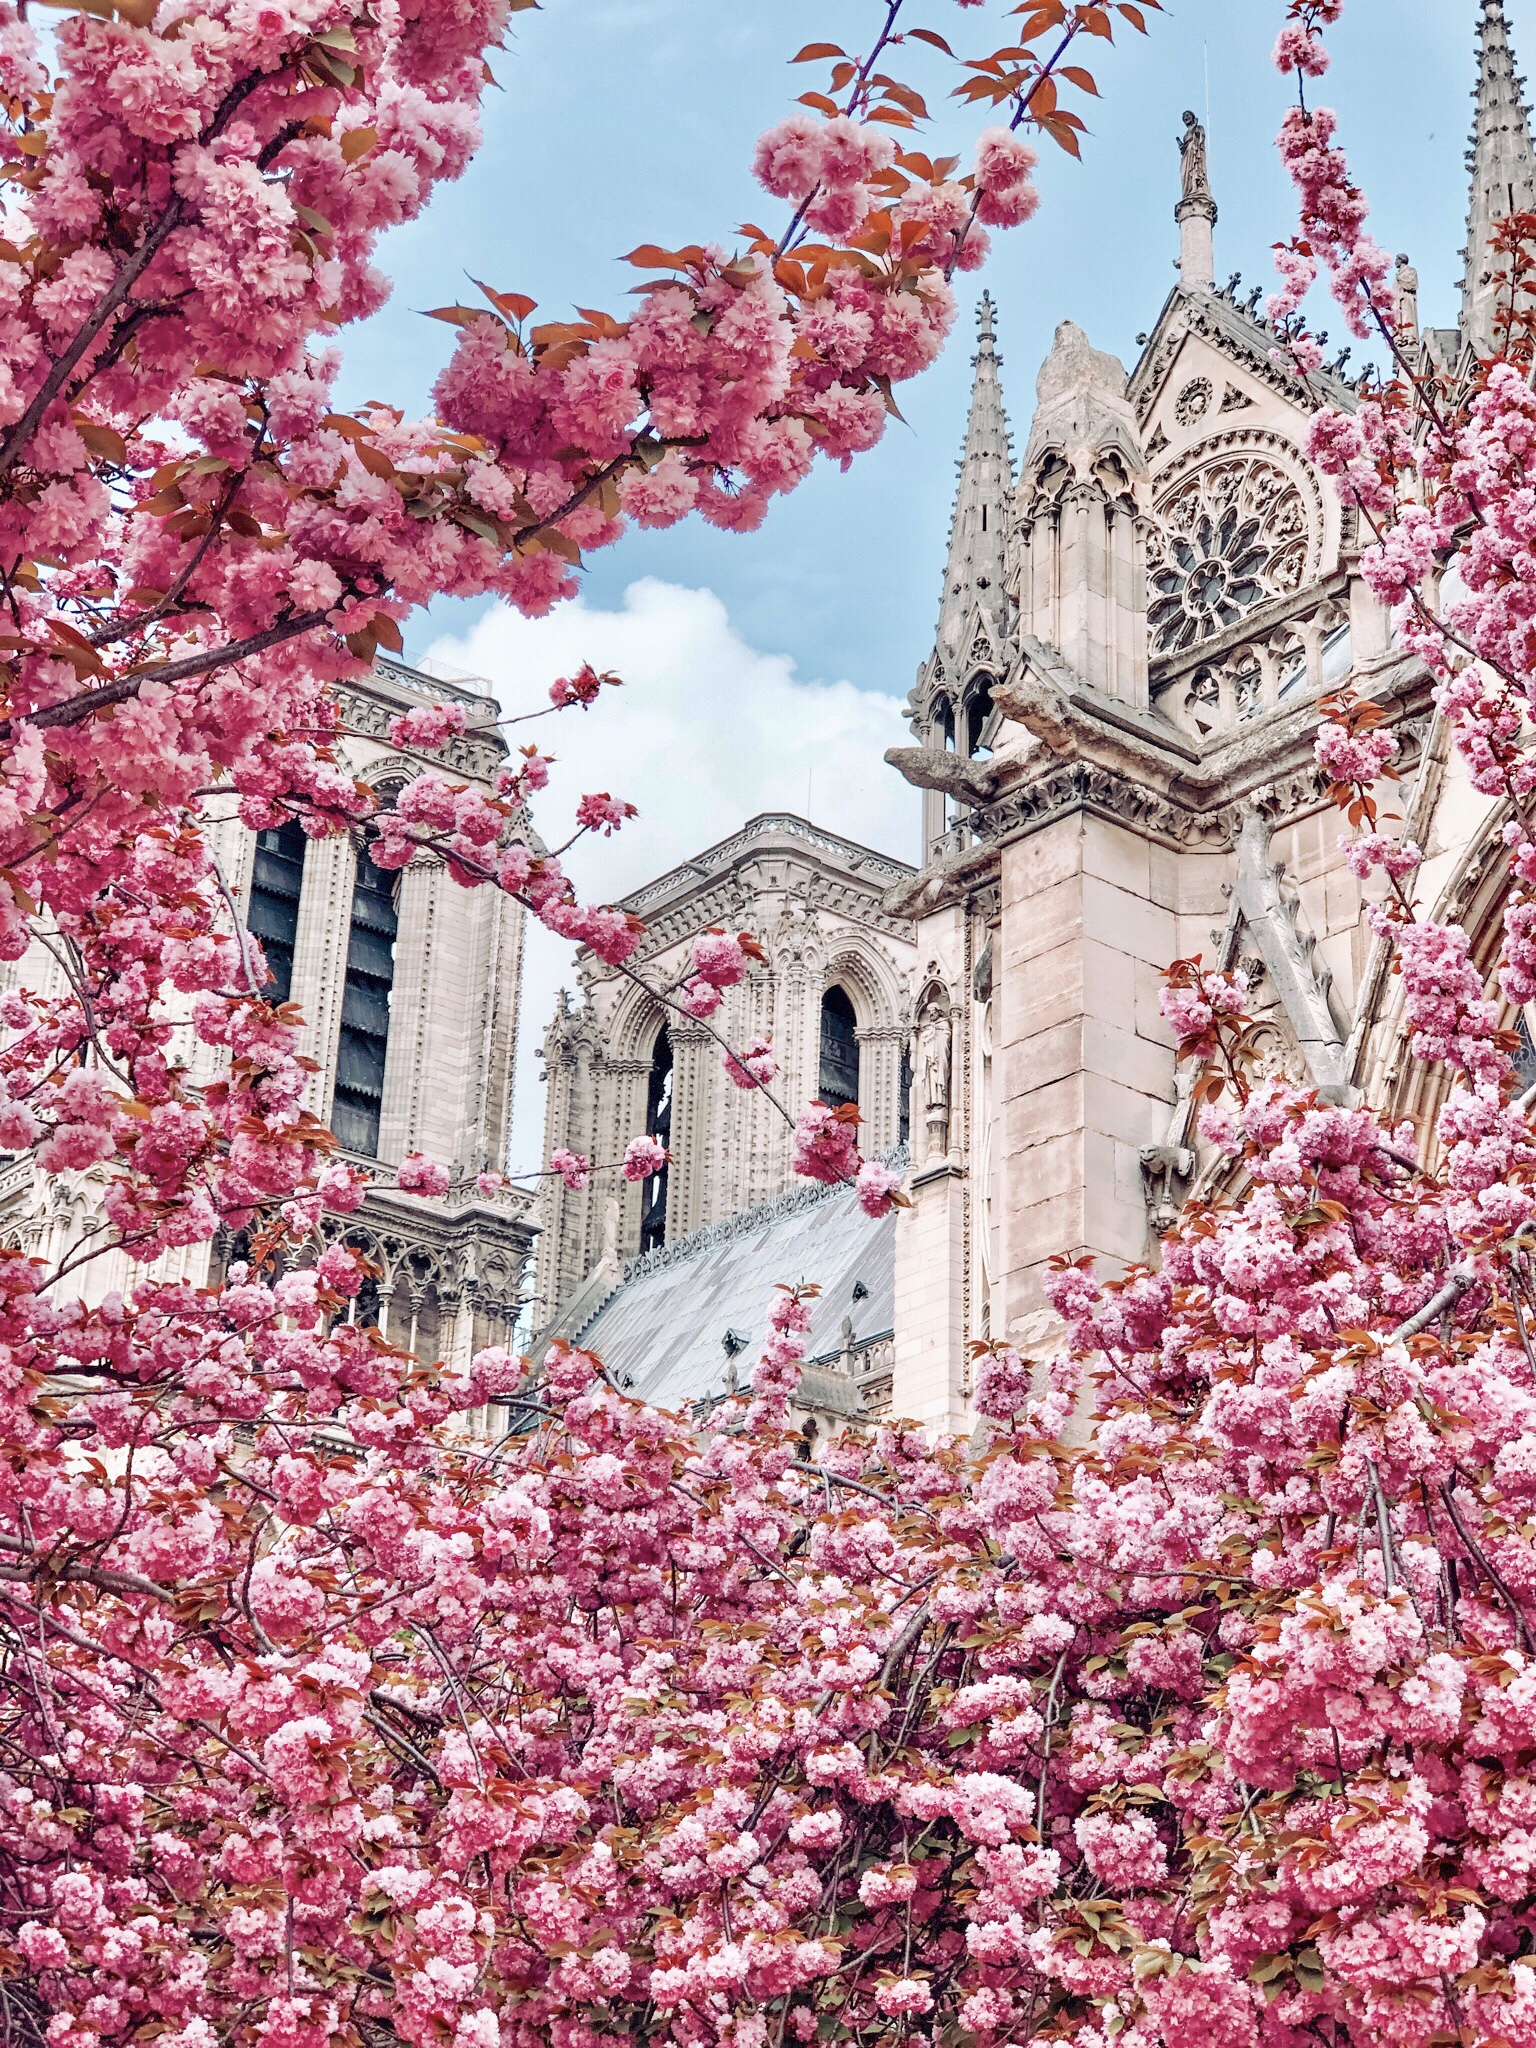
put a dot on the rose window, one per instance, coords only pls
(1229, 537)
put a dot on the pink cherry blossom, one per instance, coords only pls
(826, 1144)
(644, 1157)
(754, 1066)
(573, 1168)
(418, 1175)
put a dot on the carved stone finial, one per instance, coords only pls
(1502, 161)
(1405, 299)
(1192, 162)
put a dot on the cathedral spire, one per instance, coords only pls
(1503, 167)
(978, 529)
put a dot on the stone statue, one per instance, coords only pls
(1405, 296)
(1197, 184)
(934, 1054)
(611, 1233)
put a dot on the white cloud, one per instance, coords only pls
(706, 731)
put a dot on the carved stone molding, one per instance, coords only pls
(1238, 335)
(466, 755)
(1084, 785)
(853, 859)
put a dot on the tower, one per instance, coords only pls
(408, 987)
(1503, 172)
(1083, 493)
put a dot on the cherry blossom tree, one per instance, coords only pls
(321, 1721)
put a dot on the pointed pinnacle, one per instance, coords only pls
(1503, 167)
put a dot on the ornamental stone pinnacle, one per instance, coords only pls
(978, 530)
(1503, 167)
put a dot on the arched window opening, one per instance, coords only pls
(277, 881)
(368, 1310)
(904, 1100)
(359, 1098)
(977, 714)
(839, 1076)
(658, 1124)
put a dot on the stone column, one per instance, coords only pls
(497, 992)
(879, 1087)
(690, 1191)
(928, 1384)
(570, 1114)
(630, 1083)
(422, 1091)
(929, 1372)
(1370, 625)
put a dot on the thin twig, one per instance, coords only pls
(1475, 1550)
(242, 936)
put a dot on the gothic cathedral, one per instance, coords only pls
(1114, 752)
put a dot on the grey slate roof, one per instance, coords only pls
(664, 1327)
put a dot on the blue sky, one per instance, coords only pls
(622, 121)
(766, 671)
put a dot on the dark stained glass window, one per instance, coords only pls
(276, 883)
(658, 1124)
(839, 1075)
(359, 1097)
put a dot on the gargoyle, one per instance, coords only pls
(968, 782)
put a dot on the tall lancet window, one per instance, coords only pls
(658, 1124)
(839, 1077)
(359, 1096)
(277, 880)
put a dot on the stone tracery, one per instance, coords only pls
(1231, 530)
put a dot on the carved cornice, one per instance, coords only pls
(1093, 755)
(476, 755)
(727, 903)
(1089, 786)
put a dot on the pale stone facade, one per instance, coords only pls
(411, 1020)
(831, 995)
(1115, 753)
